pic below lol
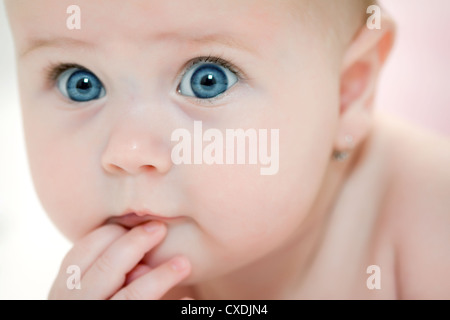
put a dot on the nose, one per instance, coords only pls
(135, 145)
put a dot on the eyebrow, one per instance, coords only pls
(55, 43)
(224, 40)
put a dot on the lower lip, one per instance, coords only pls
(132, 220)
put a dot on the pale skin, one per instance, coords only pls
(310, 231)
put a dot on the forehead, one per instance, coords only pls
(138, 20)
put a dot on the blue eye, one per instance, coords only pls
(80, 85)
(206, 81)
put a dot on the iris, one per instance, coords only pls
(207, 80)
(80, 85)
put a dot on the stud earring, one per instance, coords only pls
(349, 140)
(340, 155)
(343, 155)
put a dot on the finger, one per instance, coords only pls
(82, 255)
(138, 271)
(86, 250)
(156, 283)
(108, 272)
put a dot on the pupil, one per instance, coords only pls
(84, 84)
(208, 80)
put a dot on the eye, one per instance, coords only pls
(80, 85)
(207, 80)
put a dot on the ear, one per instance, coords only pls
(360, 70)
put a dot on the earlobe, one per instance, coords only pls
(353, 129)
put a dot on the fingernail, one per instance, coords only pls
(179, 264)
(152, 227)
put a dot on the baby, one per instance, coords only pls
(357, 207)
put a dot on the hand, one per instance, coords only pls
(109, 260)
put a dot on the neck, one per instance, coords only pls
(280, 274)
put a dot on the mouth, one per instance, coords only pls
(133, 219)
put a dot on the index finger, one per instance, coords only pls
(87, 249)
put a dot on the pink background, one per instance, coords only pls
(416, 81)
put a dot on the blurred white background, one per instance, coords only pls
(414, 85)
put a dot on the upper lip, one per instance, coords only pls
(132, 218)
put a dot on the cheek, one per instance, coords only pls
(62, 175)
(62, 164)
(240, 215)
(244, 211)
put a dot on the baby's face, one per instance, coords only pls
(99, 134)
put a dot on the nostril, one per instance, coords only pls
(116, 169)
(147, 167)
(112, 168)
(134, 158)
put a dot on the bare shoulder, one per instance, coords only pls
(418, 207)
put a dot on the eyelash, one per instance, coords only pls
(217, 60)
(55, 70)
